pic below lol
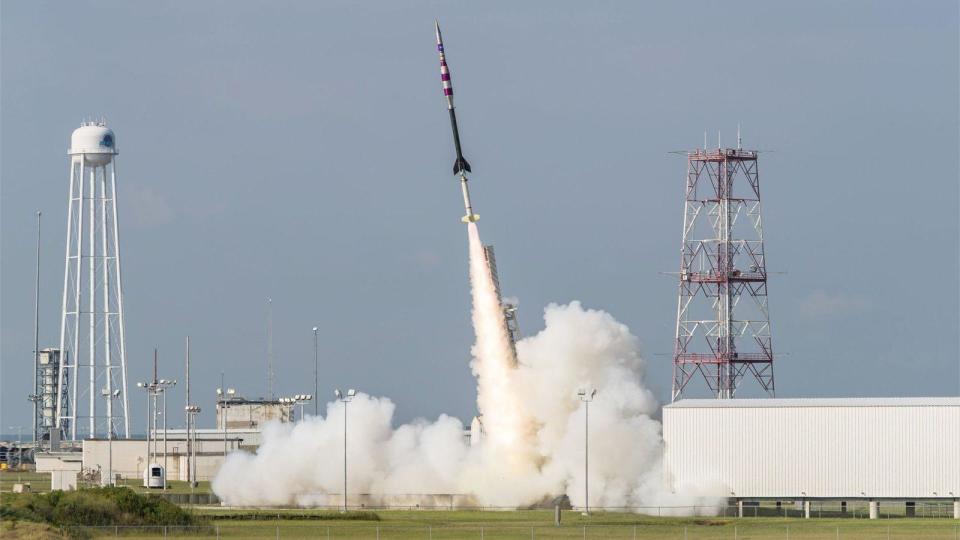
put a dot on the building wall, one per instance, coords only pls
(835, 448)
(247, 414)
(129, 456)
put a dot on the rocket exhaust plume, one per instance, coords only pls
(533, 447)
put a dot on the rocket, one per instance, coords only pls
(460, 165)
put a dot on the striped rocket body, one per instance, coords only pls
(460, 165)
(444, 71)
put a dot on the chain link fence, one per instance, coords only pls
(703, 531)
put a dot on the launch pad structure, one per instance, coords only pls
(723, 320)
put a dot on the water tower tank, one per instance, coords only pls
(95, 141)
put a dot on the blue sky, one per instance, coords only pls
(301, 151)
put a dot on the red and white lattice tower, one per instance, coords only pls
(723, 323)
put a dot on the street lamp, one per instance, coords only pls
(316, 373)
(345, 399)
(109, 396)
(586, 399)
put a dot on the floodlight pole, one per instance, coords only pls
(163, 393)
(586, 398)
(345, 398)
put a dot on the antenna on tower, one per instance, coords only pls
(739, 141)
(704, 140)
(719, 146)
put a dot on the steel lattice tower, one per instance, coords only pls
(723, 322)
(93, 355)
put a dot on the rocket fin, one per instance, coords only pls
(461, 165)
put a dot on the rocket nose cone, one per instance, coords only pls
(436, 25)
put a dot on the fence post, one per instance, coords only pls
(531, 533)
(481, 533)
(164, 531)
(429, 532)
(218, 531)
(116, 530)
(838, 532)
(734, 532)
(584, 532)
(634, 532)
(278, 530)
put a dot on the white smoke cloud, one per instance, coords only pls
(533, 446)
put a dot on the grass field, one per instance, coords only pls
(503, 525)
(41, 482)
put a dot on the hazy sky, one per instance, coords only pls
(301, 151)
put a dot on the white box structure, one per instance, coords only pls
(850, 448)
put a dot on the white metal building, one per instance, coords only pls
(792, 449)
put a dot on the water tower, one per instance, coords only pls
(93, 351)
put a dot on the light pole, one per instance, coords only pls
(586, 398)
(192, 412)
(109, 396)
(345, 399)
(156, 387)
(300, 400)
(146, 386)
(297, 401)
(163, 385)
(316, 372)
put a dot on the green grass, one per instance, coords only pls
(504, 525)
(37, 481)
(173, 486)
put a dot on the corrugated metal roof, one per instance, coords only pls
(818, 402)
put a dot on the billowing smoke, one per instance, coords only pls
(533, 445)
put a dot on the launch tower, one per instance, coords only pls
(723, 323)
(93, 354)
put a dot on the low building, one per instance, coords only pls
(64, 468)
(800, 449)
(129, 455)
